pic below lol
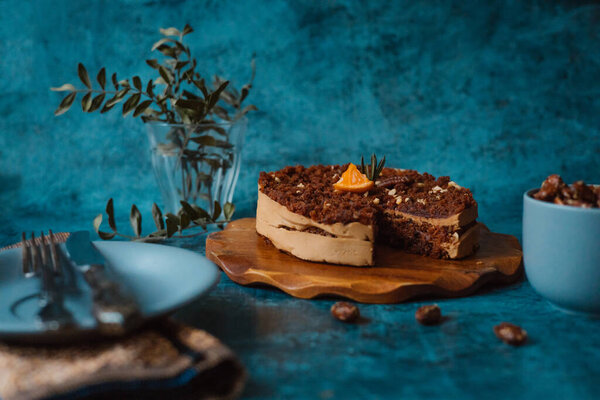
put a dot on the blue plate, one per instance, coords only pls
(162, 279)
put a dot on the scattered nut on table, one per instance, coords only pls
(345, 311)
(429, 315)
(510, 333)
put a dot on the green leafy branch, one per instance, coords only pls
(184, 99)
(374, 170)
(181, 97)
(167, 226)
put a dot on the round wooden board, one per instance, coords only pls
(248, 258)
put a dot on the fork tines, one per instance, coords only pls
(54, 252)
(37, 253)
(26, 254)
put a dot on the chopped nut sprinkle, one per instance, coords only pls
(437, 189)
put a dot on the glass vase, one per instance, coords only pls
(197, 163)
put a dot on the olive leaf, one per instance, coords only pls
(172, 226)
(170, 31)
(86, 101)
(83, 75)
(187, 29)
(228, 210)
(97, 222)
(204, 140)
(101, 78)
(137, 83)
(131, 103)
(103, 235)
(216, 211)
(165, 74)
(135, 218)
(245, 91)
(120, 95)
(214, 96)
(181, 64)
(158, 217)
(202, 86)
(110, 211)
(184, 221)
(149, 88)
(142, 107)
(65, 104)
(247, 109)
(193, 104)
(193, 214)
(97, 102)
(173, 218)
(160, 43)
(64, 88)
(203, 214)
(106, 235)
(153, 63)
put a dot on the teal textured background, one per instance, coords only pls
(495, 94)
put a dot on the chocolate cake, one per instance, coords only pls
(302, 213)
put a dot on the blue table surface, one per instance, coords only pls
(294, 349)
(498, 95)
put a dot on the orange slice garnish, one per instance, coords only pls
(353, 180)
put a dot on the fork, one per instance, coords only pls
(43, 259)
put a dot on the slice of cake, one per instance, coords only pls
(335, 214)
(425, 215)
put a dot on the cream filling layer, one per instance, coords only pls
(463, 218)
(462, 246)
(277, 215)
(315, 247)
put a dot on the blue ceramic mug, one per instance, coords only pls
(561, 252)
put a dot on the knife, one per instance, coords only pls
(115, 310)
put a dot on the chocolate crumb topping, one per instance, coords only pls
(309, 192)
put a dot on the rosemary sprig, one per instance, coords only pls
(374, 170)
(190, 216)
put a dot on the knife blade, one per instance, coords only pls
(115, 310)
